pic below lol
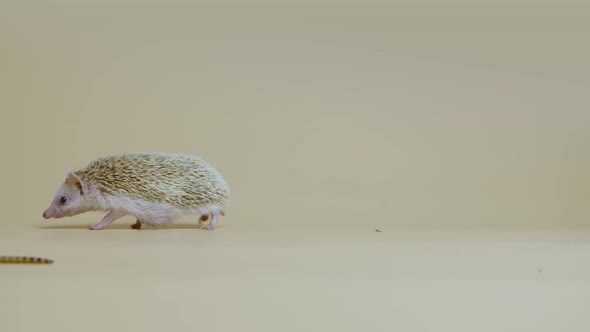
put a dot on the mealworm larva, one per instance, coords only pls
(24, 260)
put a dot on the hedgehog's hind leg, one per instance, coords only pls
(203, 219)
(212, 223)
(107, 220)
(137, 225)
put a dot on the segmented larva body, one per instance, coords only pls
(24, 260)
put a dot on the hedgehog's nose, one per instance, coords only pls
(45, 215)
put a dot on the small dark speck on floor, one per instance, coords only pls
(378, 230)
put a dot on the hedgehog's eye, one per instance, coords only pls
(63, 200)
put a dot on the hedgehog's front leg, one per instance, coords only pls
(107, 220)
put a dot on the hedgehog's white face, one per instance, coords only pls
(69, 200)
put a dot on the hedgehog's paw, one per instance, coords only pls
(96, 227)
(137, 225)
(208, 227)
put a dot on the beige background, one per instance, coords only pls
(459, 128)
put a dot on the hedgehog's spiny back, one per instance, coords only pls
(176, 179)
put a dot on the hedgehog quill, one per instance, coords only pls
(155, 188)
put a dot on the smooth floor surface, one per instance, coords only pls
(238, 278)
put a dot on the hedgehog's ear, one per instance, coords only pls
(74, 180)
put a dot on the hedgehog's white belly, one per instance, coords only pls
(151, 213)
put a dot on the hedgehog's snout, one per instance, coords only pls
(49, 213)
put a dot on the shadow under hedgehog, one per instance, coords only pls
(156, 188)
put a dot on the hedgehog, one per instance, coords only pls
(156, 188)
